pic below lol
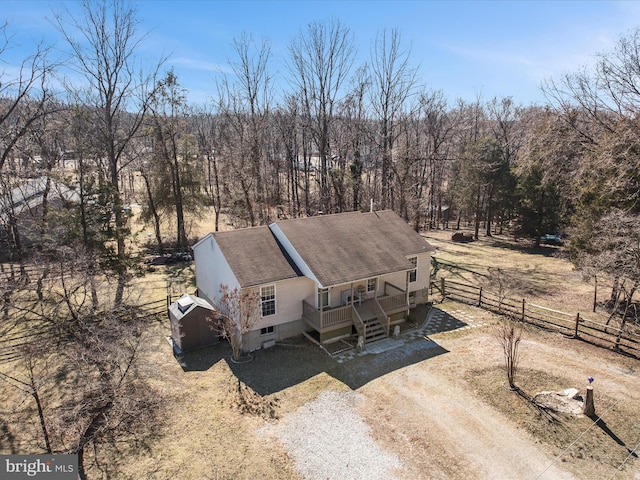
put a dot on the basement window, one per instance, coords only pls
(266, 330)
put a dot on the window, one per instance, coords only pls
(372, 285)
(323, 297)
(412, 275)
(266, 330)
(268, 300)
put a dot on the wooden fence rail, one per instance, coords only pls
(574, 325)
(13, 338)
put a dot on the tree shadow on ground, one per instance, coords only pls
(458, 269)
(298, 360)
(547, 413)
(528, 248)
(603, 426)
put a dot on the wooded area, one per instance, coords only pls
(337, 137)
(77, 150)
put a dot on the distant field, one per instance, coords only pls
(542, 275)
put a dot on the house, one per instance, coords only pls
(21, 211)
(192, 322)
(330, 275)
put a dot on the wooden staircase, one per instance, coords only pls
(374, 331)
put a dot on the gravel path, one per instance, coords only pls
(328, 440)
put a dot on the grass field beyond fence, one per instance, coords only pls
(625, 340)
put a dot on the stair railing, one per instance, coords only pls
(384, 320)
(361, 327)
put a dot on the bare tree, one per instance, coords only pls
(254, 91)
(33, 359)
(431, 171)
(239, 313)
(107, 401)
(286, 124)
(393, 81)
(505, 122)
(547, 170)
(103, 44)
(206, 126)
(509, 335)
(100, 397)
(614, 249)
(24, 98)
(321, 59)
(244, 105)
(171, 172)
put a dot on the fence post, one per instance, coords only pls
(442, 288)
(523, 302)
(480, 297)
(575, 333)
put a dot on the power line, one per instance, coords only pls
(631, 454)
(595, 422)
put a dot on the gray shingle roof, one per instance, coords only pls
(347, 247)
(254, 256)
(338, 248)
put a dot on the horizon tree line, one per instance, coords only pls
(341, 137)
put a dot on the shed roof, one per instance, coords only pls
(255, 256)
(186, 304)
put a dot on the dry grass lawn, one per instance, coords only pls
(541, 275)
(440, 406)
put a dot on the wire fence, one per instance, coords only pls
(576, 325)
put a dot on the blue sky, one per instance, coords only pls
(466, 49)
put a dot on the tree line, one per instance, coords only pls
(340, 137)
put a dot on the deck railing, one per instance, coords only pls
(347, 314)
(391, 289)
(327, 318)
(393, 302)
(336, 316)
(311, 314)
(361, 327)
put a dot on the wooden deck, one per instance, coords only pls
(340, 317)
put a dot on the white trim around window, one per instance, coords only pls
(267, 300)
(323, 298)
(412, 275)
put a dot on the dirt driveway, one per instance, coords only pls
(437, 405)
(441, 431)
(436, 417)
(434, 408)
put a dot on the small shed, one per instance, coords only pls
(192, 323)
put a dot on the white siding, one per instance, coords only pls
(398, 279)
(424, 269)
(289, 295)
(212, 269)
